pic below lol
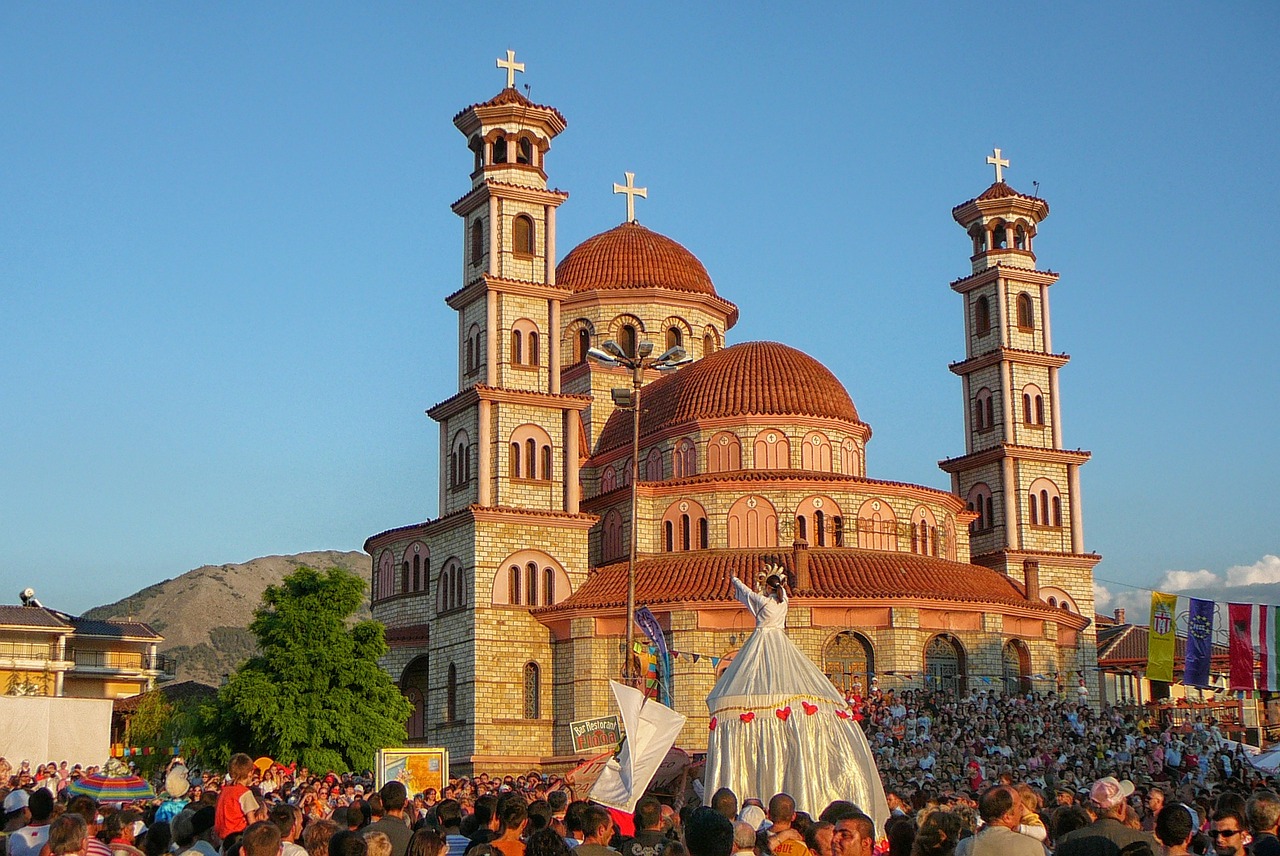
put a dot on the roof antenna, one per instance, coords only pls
(1036, 185)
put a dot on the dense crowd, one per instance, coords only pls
(986, 773)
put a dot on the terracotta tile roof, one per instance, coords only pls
(1128, 642)
(631, 256)
(750, 379)
(836, 573)
(511, 96)
(30, 616)
(999, 190)
(114, 629)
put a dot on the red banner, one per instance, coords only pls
(1241, 650)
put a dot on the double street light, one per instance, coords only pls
(613, 355)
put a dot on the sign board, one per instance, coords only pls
(594, 735)
(419, 769)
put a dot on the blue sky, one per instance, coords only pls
(225, 238)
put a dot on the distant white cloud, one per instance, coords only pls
(1265, 570)
(1173, 581)
(1102, 597)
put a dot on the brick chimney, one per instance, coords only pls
(1031, 578)
(800, 564)
(1120, 615)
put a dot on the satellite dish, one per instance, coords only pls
(27, 594)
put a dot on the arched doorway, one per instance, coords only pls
(944, 666)
(413, 684)
(849, 662)
(1017, 667)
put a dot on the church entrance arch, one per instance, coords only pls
(849, 662)
(1017, 667)
(944, 665)
(413, 684)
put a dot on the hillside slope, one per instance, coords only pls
(204, 614)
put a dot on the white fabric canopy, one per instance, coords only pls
(652, 729)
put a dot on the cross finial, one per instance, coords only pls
(632, 192)
(1000, 164)
(512, 67)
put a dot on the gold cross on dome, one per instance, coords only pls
(999, 164)
(632, 192)
(512, 67)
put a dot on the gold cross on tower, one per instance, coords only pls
(632, 192)
(999, 164)
(512, 67)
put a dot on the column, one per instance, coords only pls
(965, 387)
(553, 347)
(571, 492)
(551, 244)
(484, 455)
(495, 232)
(1044, 319)
(1077, 517)
(1003, 318)
(491, 338)
(1055, 411)
(1012, 501)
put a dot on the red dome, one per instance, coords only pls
(631, 256)
(750, 379)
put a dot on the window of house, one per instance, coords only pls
(477, 241)
(982, 316)
(629, 337)
(1026, 317)
(522, 236)
(675, 338)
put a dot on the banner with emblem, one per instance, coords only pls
(1161, 637)
(1199, 643)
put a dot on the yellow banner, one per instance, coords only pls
(1160, 639)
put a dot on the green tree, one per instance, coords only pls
(154, 725)
(315, 694)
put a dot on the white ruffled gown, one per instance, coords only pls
(779, 725)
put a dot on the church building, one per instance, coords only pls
(506, 614)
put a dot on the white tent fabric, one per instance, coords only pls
(651, 729)
(44, 728)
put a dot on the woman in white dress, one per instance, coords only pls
(778, 725)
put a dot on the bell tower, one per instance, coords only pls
(1015, 476)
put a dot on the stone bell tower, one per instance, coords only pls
(1015, 475)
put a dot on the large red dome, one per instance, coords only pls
(750, 379)
(631, 256)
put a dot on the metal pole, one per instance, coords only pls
(637, 380)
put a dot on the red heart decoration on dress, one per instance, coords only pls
(783, 713)
(711, 726)
(748, 716)
(843, 714)
(809, 709)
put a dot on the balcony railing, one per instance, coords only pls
(43, 653)
(122, 661)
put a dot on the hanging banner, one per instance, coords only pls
(1160, 640)
(648, 623)
(1199, 643)
(1240, 645)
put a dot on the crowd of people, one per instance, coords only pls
(986, 773)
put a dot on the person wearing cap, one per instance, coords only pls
(29, 840)
(1108, 834)
(177, 785)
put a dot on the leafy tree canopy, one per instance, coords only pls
(315, 694)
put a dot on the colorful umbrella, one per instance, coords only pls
(113, 784)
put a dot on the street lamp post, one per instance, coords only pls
(613, 355)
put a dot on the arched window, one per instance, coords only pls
(531, 584)
(984, 410)
(980, 502)
(982, 316)
(584, 345)
(704, 539)
(460, 460)
(532, 444)
(1016, 661)
(877, 526)
(477, 150)
(477, 241)
(999, 237)
(924, 532)
(404, 577)
(522, 236)
(1026, 316)
(417, 572)
(608, 480)
(815, 521)
(724, 453)
(548, 586)
(628, 338)
(772, 450)
(524, 343)
(675, 338)
(524, 154)
(1032, 405)
(517, 348)
(1044, 503)
(450, 587)
(413, 683)
(611, 545)
(1019, 237)
(451, 695)
(752, 522)
(979, 236)
(815, 452)
(513, 584)
(532, 695)
(710, 341)
(684, 460)
(532, 350)
(529, 578)
(850, 460)
(849, 662)
(944, 665)
(653, 465)
(499, 150)
(683, 525)
(385, 582)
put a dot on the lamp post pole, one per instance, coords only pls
(614, 355)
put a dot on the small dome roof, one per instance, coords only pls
(631, 256)
(750, 379)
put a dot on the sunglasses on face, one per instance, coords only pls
(1224, 833)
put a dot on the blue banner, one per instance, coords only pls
(648, 623)
(1199, 643)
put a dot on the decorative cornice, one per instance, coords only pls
(477, 514)
(1012, 355)
(631, 297)
(1009, 450)
(989, 275)
(480, 194)
(479, 392)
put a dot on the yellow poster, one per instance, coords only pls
(1160, 639)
